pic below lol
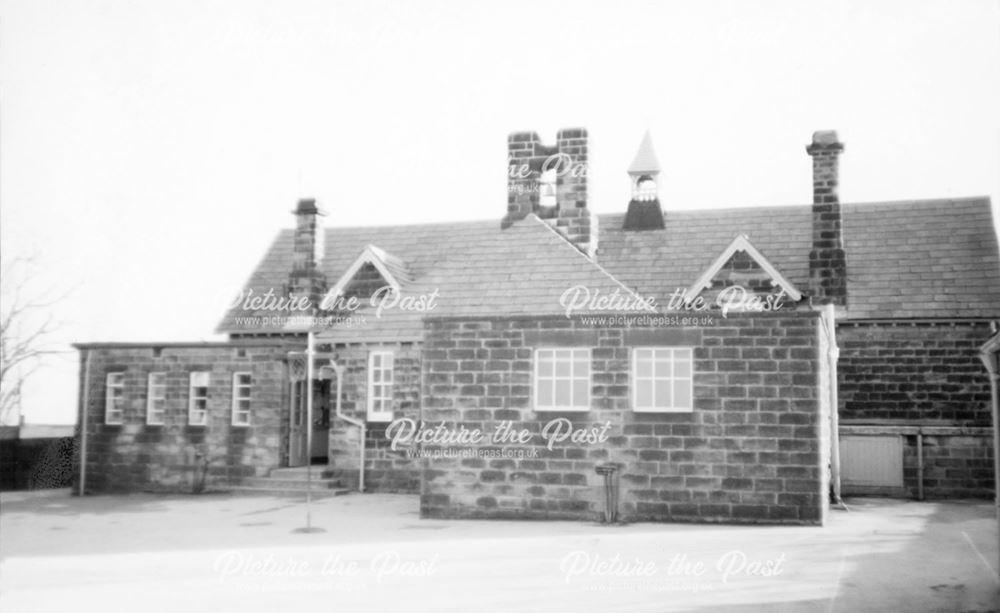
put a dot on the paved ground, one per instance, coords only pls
(226, 553)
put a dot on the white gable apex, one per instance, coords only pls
(741, 244)
(369, 255)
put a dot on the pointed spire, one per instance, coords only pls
(645, 162)
(644, 212)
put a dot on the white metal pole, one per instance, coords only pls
(310, 354)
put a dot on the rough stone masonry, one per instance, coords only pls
(754, 449)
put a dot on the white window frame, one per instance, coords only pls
(114, 398)
(672, 355)
(239, 411)
(156, 399)
(376, 404)
(574, 355)
(192, 399)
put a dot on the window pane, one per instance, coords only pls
(644, 394)
(643, 365)
(244, 379)
(563, 393)
(376, 360)
(581, 392)
(682, 367)
(545, 389)
(376, 375)
(544, 364)
(663, 368)
(664, 398)
(682, 395)
(562, 368)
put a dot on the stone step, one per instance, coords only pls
(290, 483)
(297, 472)
(246, 490)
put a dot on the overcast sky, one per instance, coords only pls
(150, 150)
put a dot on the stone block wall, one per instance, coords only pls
(923, 375)
(913, 373)
(134, 456)
(955, 466)
(385, 470)
(752, 450)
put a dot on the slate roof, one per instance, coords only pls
(922, 259)
(522, 271)
(907, 260)
(659, 262)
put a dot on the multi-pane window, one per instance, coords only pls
(562, 379)
(662, 379)
(156, 398)
(114, 398)
(242, 382)
(380, 377)
(198, 399)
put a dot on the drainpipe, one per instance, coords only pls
(920, 463)
(833, 354)
(84, 410)
(339, 369)
(988, 358)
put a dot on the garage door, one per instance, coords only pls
(871, 464)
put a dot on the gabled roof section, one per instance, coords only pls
(525, 270)
(908, 259)
(741, 244)
(392, 269)
(924, 259)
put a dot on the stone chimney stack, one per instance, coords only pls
(305, 278)
(827, 260)
(551, 182)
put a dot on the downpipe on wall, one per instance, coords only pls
(339, 369)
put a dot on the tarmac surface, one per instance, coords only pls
(226, 553)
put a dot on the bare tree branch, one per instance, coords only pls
(26, 326)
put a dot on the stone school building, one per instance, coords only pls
(729, 365)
